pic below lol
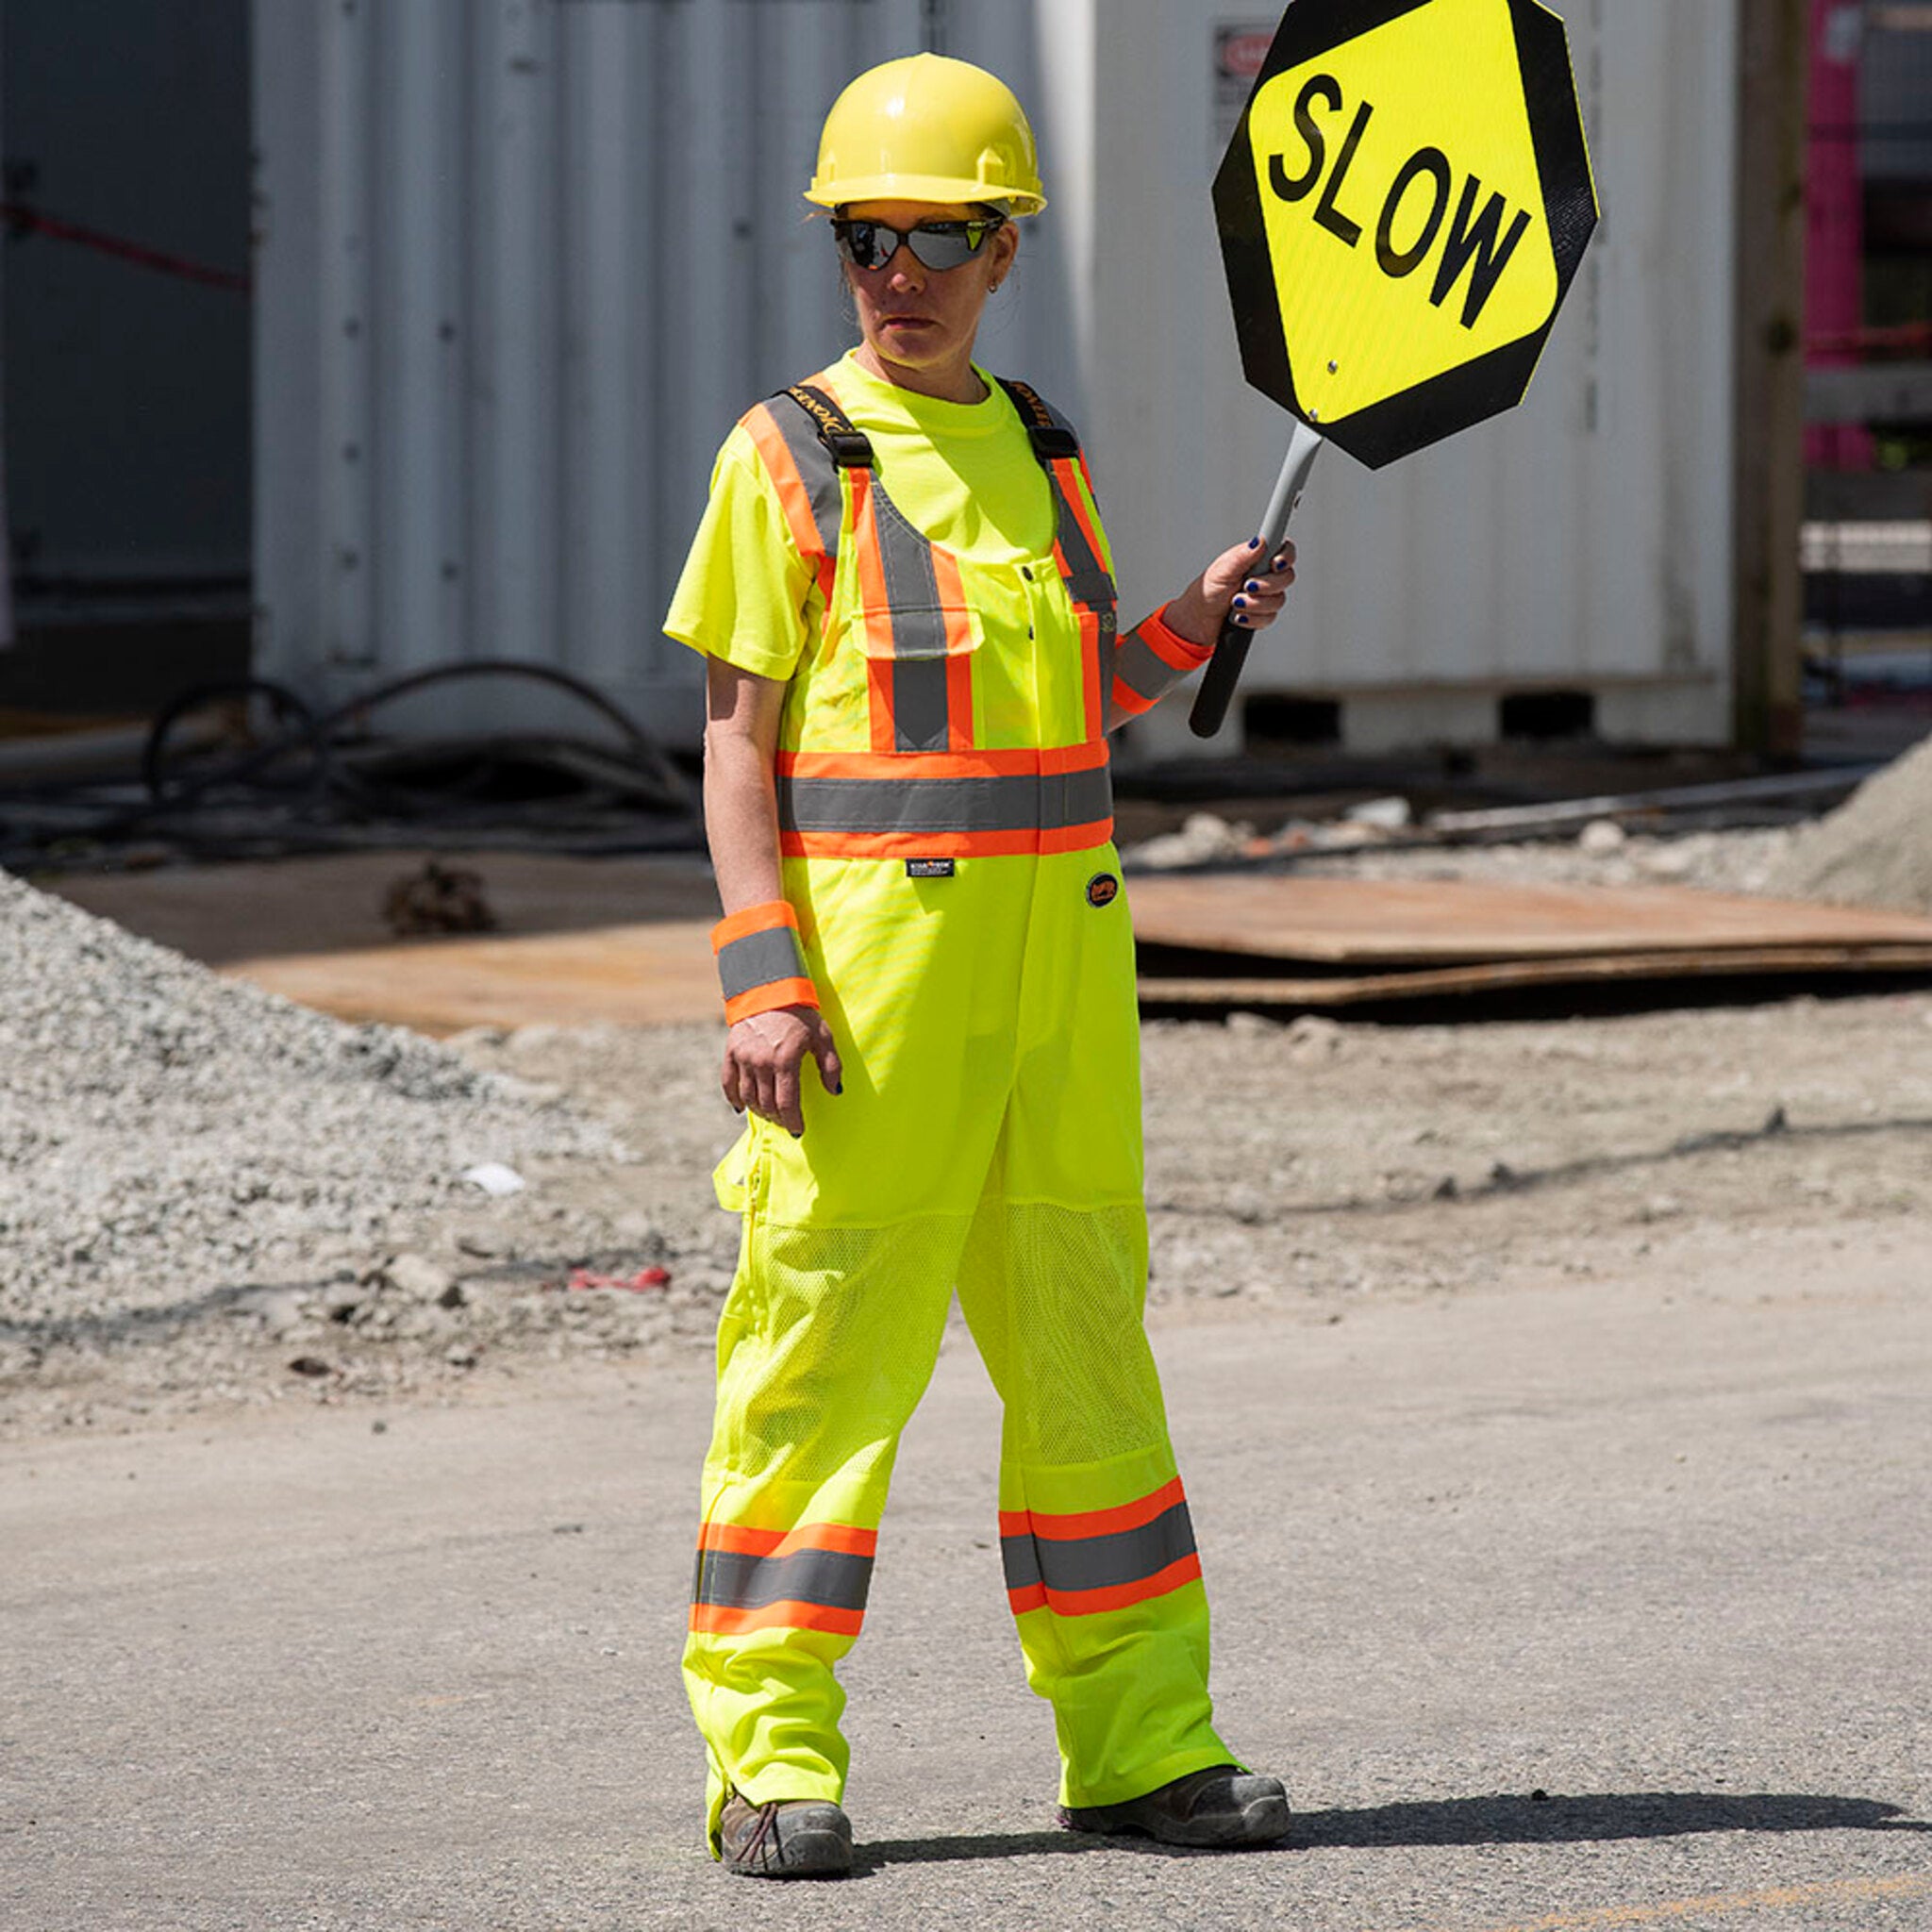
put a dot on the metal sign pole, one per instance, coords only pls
(1231, 649)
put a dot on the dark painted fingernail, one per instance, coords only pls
(1254, 543)
(1239, 619)
(796, 1133)
(1240, 603)
(1252, 584)
(840, 1088)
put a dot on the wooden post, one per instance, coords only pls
(1773, 67)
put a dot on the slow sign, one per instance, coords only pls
(1402, 208)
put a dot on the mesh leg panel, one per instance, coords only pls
(826, 1344)
(1106, 1589)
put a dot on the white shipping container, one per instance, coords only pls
(522, 263)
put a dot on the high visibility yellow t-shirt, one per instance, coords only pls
(964, 474)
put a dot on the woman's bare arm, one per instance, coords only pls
(762, 1053)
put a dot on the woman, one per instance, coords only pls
(904, 592)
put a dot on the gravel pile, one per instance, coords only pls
(1875, 849)
(172, 1141)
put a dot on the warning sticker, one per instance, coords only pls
(1241, 47)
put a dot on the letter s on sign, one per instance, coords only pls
(1323, 87)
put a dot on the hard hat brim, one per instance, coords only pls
(948, 191)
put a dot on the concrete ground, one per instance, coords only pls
(1603, 1605)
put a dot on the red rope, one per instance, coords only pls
(23, 217)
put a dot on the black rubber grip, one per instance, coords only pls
(1224, 673)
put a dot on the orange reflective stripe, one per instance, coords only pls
(773, 914)
(944, 844)
(873, 613)
(741, 1541)
(768, 998)
(794, 499)
(1018, 761)
(719, 1620)
(1168, 644)
(1143, 1509)
(1127, 699)
(1066, 475)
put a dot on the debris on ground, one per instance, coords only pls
(1875, 849)
(440, 898)
(182, 1155)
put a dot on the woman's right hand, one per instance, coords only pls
(762, 1055)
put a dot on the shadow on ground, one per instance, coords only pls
(1500, 1819)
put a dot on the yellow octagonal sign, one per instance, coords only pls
(1402, 209)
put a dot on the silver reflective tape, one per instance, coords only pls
(741, 1581)
(1021, 802)
(1127, 1556)
(1144, 670)
(1020, 1561)
(919, 688)
(1087, 579)
(816, 469)
(758, 959)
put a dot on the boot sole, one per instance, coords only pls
(804, 1852)
(1264, 1821)
(808, 1856)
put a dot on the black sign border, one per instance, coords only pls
(1414, 418)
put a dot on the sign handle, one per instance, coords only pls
(1231, 648)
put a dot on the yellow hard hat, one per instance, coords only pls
(927, 129)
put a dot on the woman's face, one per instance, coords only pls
(920, 324)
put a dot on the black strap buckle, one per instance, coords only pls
(847, 444)
(1052, 441)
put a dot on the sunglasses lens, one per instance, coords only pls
(866, 244)
(942, 249)
(939, 245)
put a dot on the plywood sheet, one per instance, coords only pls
(1380, 925)
(272, 907)
(627, 941)
(633, 975)
(1449, 982)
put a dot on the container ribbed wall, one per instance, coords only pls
(523, 263)
(1584, 540)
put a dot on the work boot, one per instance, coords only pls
(790, 1838)
(1221, 1805)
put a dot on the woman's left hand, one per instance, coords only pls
(1241, 584)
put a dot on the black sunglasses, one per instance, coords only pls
(938, 246)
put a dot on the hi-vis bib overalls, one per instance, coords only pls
(945, 820)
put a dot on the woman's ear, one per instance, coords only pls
(1005, 245)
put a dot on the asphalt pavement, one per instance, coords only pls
(1603, 1605)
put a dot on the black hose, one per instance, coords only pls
(316, 734)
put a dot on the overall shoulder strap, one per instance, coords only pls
(847, 445)
(1058, 450)
(1052, 435)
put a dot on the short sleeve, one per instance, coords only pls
(746, 594)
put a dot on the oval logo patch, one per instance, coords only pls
(1103, 888)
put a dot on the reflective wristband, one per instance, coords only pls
(761, 961)
(1149, 661)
